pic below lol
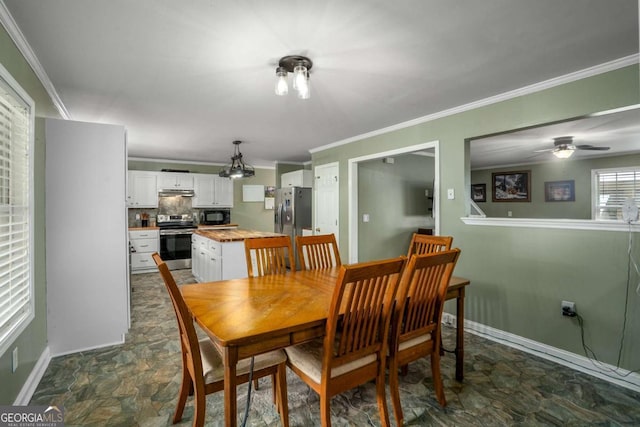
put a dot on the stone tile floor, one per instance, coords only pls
(136, 384)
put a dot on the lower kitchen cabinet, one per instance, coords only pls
(142, 244)
(212, 260)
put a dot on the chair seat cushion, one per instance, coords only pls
(213, 366)
(308, 358)
(414, 341)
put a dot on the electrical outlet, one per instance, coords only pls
(14, 359)
(568, 308)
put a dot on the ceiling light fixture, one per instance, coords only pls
(299, 66)
(564, 151)
(237, 168)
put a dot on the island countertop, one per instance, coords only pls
(234, 235)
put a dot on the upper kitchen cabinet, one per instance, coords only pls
(299, 178)
(212, 191)
(175, 181)
(143, 189)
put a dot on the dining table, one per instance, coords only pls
(254, 315)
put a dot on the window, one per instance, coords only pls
(611, 188)
(16, 202)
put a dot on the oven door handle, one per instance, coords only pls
(176, 232)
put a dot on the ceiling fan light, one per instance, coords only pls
(564, 152)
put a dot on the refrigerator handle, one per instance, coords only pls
(279, 218)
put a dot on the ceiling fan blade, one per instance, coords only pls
(543, 151)
(591, 147)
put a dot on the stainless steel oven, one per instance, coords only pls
(175, 240)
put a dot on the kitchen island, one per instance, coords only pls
(219, 254)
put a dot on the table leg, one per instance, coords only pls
(460, 335)
(230, 398)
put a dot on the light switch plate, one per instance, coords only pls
(450, 194)
(365, 218)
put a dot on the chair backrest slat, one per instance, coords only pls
(360, 311)
(423, 290)
(267, 255)
(317, 252)
(427, 244)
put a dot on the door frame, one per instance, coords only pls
(352, 184)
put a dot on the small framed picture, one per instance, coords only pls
(479, 192)
(511, 186)
(559, 191)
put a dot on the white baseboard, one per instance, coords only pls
(30, 385)
(600, 370)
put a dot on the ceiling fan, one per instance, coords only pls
(563, 147)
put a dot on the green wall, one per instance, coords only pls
(394, 197)
(282, 167)
(520, 275)
(32, 342)
(249, 215)
(576, 170)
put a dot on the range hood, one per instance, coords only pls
(170, 192)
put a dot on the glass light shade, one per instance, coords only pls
(564, 152)
(299, 77)
(304, 92)
(282, 88)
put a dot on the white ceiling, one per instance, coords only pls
(188, 77)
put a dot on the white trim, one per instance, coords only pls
(187, 162)
(567, 224)
(352, 184)
(30, 385)
(97, 347)
(23, 46)
(580, 363)
(536, 87)
(16, 88)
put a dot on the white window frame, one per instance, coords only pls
(595, 188)
(8, 335)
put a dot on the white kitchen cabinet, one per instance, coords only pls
(212, 191)
(175, 181)
(299, 178)
(224, 192)
(143, 243)
(142, 189)
(212, 261)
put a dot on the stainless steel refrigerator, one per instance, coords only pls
(292, 213)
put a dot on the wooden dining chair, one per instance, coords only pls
(267, 255)
(353, 350)
(416, 327)
(427, 244)
(202, 365)
(318, 252)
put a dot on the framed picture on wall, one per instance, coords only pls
(560, 191)
(512, 186)
(479, 192)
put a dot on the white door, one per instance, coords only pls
(326, 199)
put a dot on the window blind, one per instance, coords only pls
(612, 188)
(16, 290)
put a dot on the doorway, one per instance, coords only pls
(357, 219)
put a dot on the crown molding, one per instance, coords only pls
(23, 46)
(526, 90)
(189, 162)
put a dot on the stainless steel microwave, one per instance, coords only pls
(215, 216)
